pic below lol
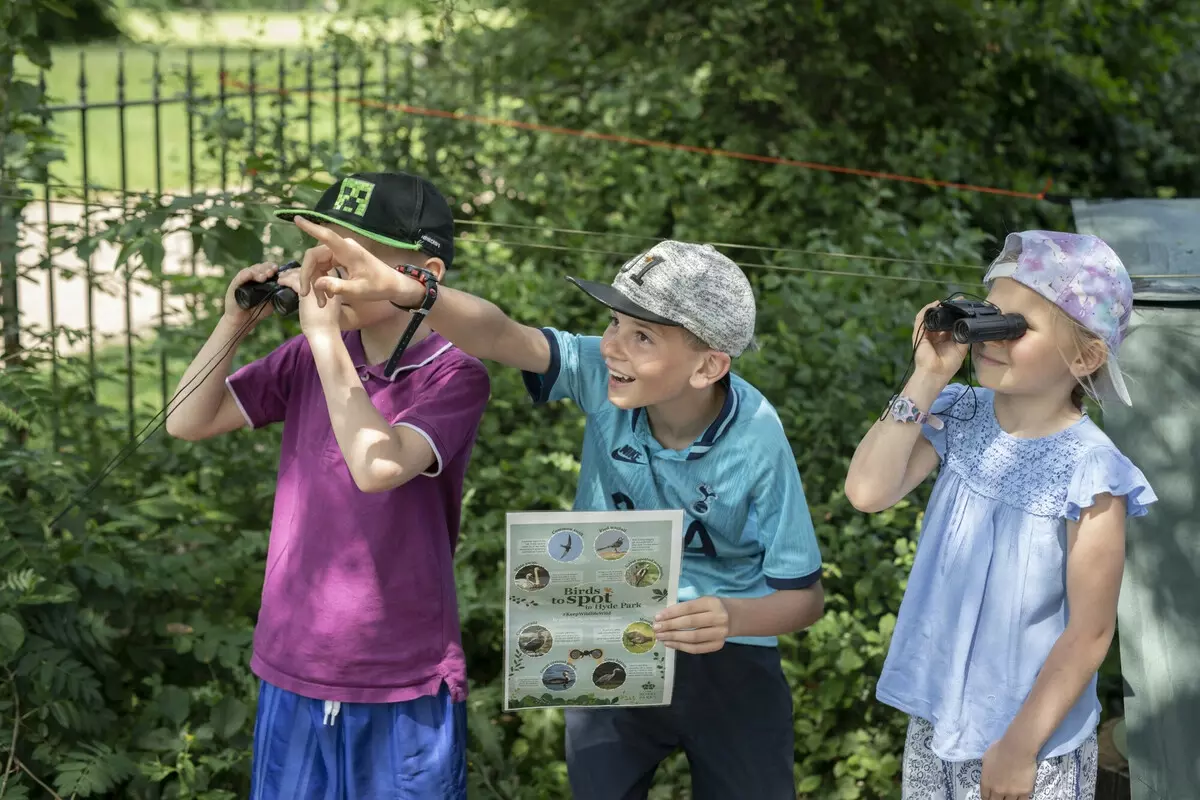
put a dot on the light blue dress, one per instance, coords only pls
(986, 600)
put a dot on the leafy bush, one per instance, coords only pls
(78, 22)
(125, 630)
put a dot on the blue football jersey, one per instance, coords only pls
(747, 527)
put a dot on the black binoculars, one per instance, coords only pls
(283, 299)
(974, 321)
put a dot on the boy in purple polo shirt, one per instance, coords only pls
(357, 645)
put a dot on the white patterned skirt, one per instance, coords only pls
(1071, 776)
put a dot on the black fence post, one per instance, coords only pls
(281, 129)
(130, 365)
(385, 98)
(252, 154)
(308, 112)
(156, 99)
(337, 101)
(221, 117)
(406, 97)
(9, 234)
(55, 422)
(89, 264)
(362, 103)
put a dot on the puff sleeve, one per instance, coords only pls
(1105, 470)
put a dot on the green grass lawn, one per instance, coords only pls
(253, 28)
(140, 157)
(147, 378)
(159, 157)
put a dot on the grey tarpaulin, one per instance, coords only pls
(1159, 614)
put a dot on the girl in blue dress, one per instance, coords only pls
(1012, 600)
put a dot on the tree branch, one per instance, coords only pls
(39, 781)
(12, 747)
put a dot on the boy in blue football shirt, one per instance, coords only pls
(668, 426)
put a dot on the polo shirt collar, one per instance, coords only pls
(416, 356)
(640, 426)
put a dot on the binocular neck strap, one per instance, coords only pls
(429, 281)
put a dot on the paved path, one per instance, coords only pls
(70, 284)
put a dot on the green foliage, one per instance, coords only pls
(125, 629)
(25, 149)
(228, 5)
(77, 21)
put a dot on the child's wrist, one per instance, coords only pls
(406, 291)
(231, 325)
(1019, 744)
(734, 616)
(924, 387)
(322, 335)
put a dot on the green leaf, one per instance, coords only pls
(174, 704)
(25, 97)
(128, 248)
(810, 783)
(93, 769)
(485, 736)
(242, 244)
(849, 661)
(228, 716)
(38, 52)
(12, 637)
(53, 594)
(160, 739)
(153, 253)
(16, 791)
(206, 649)
(59, 8)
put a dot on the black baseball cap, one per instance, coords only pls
(392, 208)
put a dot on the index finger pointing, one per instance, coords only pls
(312, 229)
(335, 244)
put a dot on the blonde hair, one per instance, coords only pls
(693, 341)
(1083, 340)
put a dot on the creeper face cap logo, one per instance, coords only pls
(354, 196)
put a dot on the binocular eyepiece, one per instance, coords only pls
(972, 321)
(283, 299)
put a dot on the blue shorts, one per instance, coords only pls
(308, 749)
(731, 714)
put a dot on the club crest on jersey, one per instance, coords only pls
(706, 494)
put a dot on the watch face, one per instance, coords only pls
(904, 410)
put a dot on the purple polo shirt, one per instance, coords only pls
(359, 604)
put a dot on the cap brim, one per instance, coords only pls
(609, 296)
(999, 269)
(1114, 382)
(318, 216)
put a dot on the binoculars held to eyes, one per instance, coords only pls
(283, 299)
(972, 321)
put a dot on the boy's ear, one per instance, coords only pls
(437, 267)
(714, 366)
